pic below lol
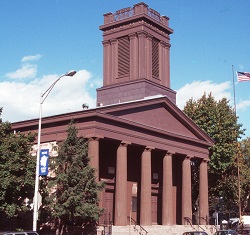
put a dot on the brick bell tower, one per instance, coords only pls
(136, 56)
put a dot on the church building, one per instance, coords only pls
(140, 143)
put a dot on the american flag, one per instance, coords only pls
(243, 76)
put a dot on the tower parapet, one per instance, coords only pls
(137, 10)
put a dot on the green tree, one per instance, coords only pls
(73, 189)
(244, 174)
(219, 121)
(17, 170)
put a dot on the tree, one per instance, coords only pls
(73, 189)
(219, 121)
(17, 170)
(244, 174)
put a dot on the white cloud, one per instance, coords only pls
(31, 58)
(20, 101)
(27, 71)
(196, 89)
(243, 105)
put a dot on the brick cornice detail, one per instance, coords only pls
(149, 148)
(125, 143)
(94, 137)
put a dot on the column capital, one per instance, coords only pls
(113, 40)
(132, 35)
(188, 157)
(125, 143)
(94, 137)
(106, 43)
(165, 44)
(149, 148)
(142, 34)
(149, 37)
(169, 153)
(205, 160)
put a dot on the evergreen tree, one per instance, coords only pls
(219, 121)
(73, 189)
(17, 170)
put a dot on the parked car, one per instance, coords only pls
(20, 233)
(226, 232)
(195, 233)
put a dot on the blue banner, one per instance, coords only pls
(44, 162)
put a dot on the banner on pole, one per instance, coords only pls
(44, 162)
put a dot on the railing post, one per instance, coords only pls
(141, 8)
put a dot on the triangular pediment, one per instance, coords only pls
(161, 114)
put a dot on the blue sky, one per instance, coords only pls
(42, 39)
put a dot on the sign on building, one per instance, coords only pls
(44, 162)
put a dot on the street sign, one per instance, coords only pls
(44, 162)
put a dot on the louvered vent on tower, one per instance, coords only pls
(155, 58)
(123, 57)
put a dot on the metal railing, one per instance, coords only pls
(141, 230)
(123, 13)
(188, 221)
(130, 12)
(107, 224)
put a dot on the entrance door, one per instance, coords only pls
(132, 203)
(154, 204)
(107, 203)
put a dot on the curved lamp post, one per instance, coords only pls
(42, 99)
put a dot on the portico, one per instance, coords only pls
(161, 176)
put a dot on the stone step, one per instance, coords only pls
(156, 230)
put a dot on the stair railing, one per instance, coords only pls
(141, 230)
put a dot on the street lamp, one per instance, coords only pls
(42, 99)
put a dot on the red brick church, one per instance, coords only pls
(140, 142)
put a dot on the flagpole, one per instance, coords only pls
(238, 155)
(234, 91)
